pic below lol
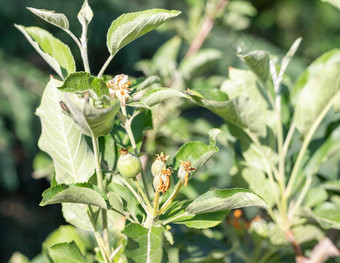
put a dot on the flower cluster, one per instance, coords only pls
(119, 88)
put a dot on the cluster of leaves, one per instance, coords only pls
(287, 134)
(285, 150)
(100, 200)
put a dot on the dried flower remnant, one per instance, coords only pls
(161, 182)
(119, 88)
(184, 170)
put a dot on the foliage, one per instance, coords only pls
(83, 106)
(283, 150)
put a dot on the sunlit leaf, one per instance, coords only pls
(131, 26)
(316, 95)
(57, 19)
(328, 148)
(144, 245)
(317, 65)
(83, 82)
(68, 234)
(53, 51)
(67, 252)
(326, 214)
(159, 95)
(224, 199)
(92, 121)
(258, 62)
(72, 157)
(243, 112)
(81, 193)
(198, 153)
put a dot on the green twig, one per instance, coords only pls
(106, 64)
(101, 186)
(134, 193)
(99, 239)
(140, 190)
(170, 199)
(301, 197)
(156, 203)
(304, 147)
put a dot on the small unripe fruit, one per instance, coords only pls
(157, 167)
(159, 164)
(157, 183)
(129, 165)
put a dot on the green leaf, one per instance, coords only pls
(131, 26)
(307, 232)
(139, 105)
(328, 148)
(224, 199)
(143, 83)
(73, 158)
(315, 196)
(202, 221)
(53, 51)
(326, 214)
(318, 92)
(92, 121)
(258, 62)
(176, 214)
(57, 19)
(144, 245)
(335, 3)
(109, 150)
(83, 82)
(332, 186)
(81, 193)
(259, 184)
(244, 83)
(67, 252)
(164, 62)
(76, 214)
(190, 65)
(318, 65)
(85, 14)
(68, 234)
(336, 105)
(198, 153)
(155, 96)
(243, 112)
(129, 201)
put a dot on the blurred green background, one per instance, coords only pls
(258, 24)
